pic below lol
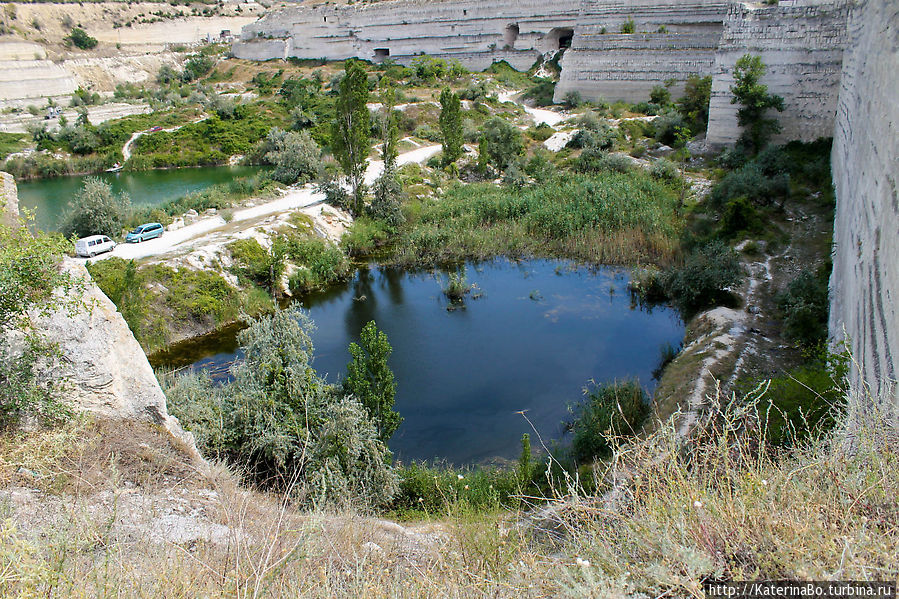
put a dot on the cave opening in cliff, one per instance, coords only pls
(381, 54)
(510, 36)
(559, 38)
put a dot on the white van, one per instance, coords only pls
(93, 245)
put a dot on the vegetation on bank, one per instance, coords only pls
(608, 218)
(162, 304)
(29, 277)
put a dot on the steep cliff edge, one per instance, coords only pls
(100, 364)
(865, 281)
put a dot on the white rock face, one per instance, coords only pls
(103, 367)
(801, 42)
(865, 282)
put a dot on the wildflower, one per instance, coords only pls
(764, 483)
(460, 476)
(697, 504)
(466, 486)
(421, 500)
(583, 563)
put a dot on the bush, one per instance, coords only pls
(504, 142)
(739, 218)
(281, 422)
(664, 170)
(196, 66)
(703, 278)
(80, 39)
(694, 105)
(255, 264)
(593, 161)
(96, 211)
(667, 126)
(611, 410)
(29, 276)
(804, 305)
(750, 182)
(295, 156)
(387, 200)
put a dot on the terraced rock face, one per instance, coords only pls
(865, 281)
(801, 42)
(27, 75)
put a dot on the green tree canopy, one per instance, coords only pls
(95, 210)
(754, 101)
(370, 379)
(451, 125)
(351, 133)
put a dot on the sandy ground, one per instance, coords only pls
(540, 116)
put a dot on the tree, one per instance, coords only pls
(387, 199)
(694, 105)
(352, 128)
(296, 157)
(754, 101)
(95, 210)
(29, 278)
(451, 125)
(660, 95)
(504, 142)
(389, 128)
(370, 379)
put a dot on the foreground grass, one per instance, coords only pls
(674, 514)
(610, 218)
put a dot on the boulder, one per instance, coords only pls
(104, 368)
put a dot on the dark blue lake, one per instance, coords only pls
(538, 333)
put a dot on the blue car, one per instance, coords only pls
(144, 232)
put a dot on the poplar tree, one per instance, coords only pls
(351, 133)
(451, 125)
(370, 380)
(389, 128)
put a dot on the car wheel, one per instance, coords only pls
(91, 255)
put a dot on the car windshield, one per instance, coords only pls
(138, 230)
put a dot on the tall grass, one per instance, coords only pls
(611, 218)
(672, 513)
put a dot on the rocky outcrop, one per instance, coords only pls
(101, 365)
(865, 160)
(801, 42)
(9, 200)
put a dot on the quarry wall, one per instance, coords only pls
(671, 41)
(801, 42)
(475, 33)
(865, 160)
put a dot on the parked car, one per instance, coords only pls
(144, 232)
(93, 245)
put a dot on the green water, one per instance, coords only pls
(48, 198)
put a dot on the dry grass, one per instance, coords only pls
(673, 514)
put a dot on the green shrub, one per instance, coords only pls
(255, 264)
(295, 156)
(541, 94)
(283, 424)
(95, 210)
(628, 26)
(703, 278)
(664, 170)
(804, 306)
(80, 39)
(611, 410)
(740, 217)
(441, 489)
(504, 142)
(804, 402)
